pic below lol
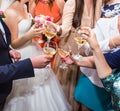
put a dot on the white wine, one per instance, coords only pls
(80, 41)
(49, 34)
(63, 53)
(49, 51)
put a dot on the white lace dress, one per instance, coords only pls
(40, 93)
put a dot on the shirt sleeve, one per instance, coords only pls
(113, 59)
(68, 13)
(17, 70)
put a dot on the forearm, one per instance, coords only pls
(109, 44)
(86, 62)
(17, 43)
(32, 5)
(102, 67)
(17, 70)
(114, 42)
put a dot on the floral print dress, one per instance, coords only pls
(112, 84)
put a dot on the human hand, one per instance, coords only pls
(55, 26)
(41, 61)
(15, 55)
(34, 32)
(68, 59)
(90, 37)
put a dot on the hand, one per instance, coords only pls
(34, 32)
(41, 61)
(69, 59)
(15, 55)
(55, 26)
(90, 37)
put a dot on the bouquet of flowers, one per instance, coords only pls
(2, 14)
(40, 20)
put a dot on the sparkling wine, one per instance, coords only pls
(63, 53)
(49, 34)
(80, 41)
(49, 51)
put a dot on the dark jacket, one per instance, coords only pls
(8, 70)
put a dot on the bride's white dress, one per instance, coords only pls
(40, 93)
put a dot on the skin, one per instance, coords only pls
(18, 10)
(97, 60)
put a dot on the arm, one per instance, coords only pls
(102, 67)
(68, 13)
(114, 42)
(60, 4)
(23, 69)
(12, 22)
(67, 17)
(109, 44)
(84, 62)
(32, 5)
(112, 58)
(16, 70)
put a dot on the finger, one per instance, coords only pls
(15, 60)
(86, 30)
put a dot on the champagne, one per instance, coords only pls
(49, 51)
(49, 34)
(80, 41)
(63, 53)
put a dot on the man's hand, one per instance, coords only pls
(41, 61)
(15, 55)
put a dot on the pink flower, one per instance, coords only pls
(40, 20)
(2, 14)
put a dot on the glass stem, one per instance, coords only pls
(48, 40)
(79, 46)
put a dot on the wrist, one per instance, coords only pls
(96, 49)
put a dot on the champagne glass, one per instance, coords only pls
(80, 41)
(50, 32)
(50, 48)
(63, 54)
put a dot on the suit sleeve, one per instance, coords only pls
(18, 70)
(113, 59)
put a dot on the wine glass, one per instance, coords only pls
(50, 48)
(50, 32)
(63, 54)
(79, 39)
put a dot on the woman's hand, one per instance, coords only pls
(55, 26)
(84, 62)
(90, 37)
(34, 32)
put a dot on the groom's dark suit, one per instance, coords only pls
(10, 71)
